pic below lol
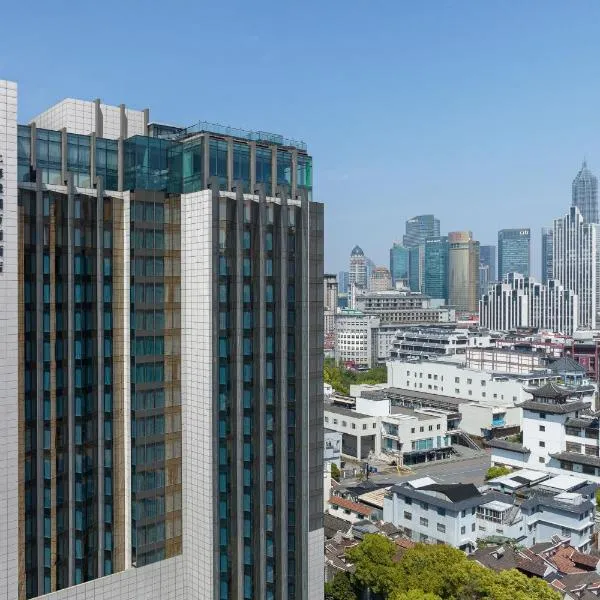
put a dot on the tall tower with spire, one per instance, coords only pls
(585, 194)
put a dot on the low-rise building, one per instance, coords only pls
(428, 511)
(560, 433)
(429, 342)
(360, 432)
(401, 307)
(354, 337)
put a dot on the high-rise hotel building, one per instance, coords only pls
(161, 332)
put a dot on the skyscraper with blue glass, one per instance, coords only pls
(162, 298)
(399, 264)
(436, 267)
(514, 247)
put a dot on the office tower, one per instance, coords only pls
(524, 302)
(161, 359)
(487, 258)
(381, 280)
(585, 194)
(343, 282)
(330, 302)
(463, 271)
(514, 251)
(370, 268)
(420, 228)
(575, 262)
(399, 262)
(547, 245)
(436, 268)
(416, 264)
(358, 268)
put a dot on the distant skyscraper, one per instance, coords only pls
(520, 301)
(575, 263)
(399, 263)
(547, 244)
(416, 264)
(380, 280)
(436, 268)
(343, 282)
(585, 194)
(487, 257)
(420, 228)
(370, 267)
(514, 251)
(463, 271)
(358, 268)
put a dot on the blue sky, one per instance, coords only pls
(478, 112)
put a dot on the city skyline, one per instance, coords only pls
(480, 163)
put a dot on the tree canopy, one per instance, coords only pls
(496, 471)
(429, 572)
(341, 378)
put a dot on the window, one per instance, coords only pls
(541, 459)
(423, 521)
(439, 426)
(483, 382)
(473, 527)
(364, 425)
(408, 500)
(441, 528)
(457, 380)
(542, 444)
(421, 429)
(542, 415)
(353, 425)
(441, 512)
(344, 424)
(463, 530)
(469, 381)
(407, 516)
(412, 429)
(542, 428)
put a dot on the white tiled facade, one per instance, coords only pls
(197, 391)
(9, 349)
(79, 116)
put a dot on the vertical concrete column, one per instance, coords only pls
(33, 139)
(271, 192)
(63, 152)
(294, 171)
(252, 166)
(123, 124)
(70, 372)
(92, 159)
(259, 429)
(236, 374)
(146, 117)
(98, 118)
(281, 398)
(100, 370)
(230, 164)
(39, 346)
(206, 162)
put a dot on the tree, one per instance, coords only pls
(374, 565)
(335, 472)
(340, 588)
(598, 499)
(414, 595)
(496, 471)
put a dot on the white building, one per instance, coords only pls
(460, 514)
(576, 263)
(500, 360)
(520, 301)
(402, 307)
(456, 380)
(559, 434)
(380, 279)
(358, 268)
(426, 342)
(354, 337)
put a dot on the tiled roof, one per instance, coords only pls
(569, 561)
(506, 445)
(566, 364)
(361, 509)
(333, 524)
(550, 390)
(554, 409)
(580, 459)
